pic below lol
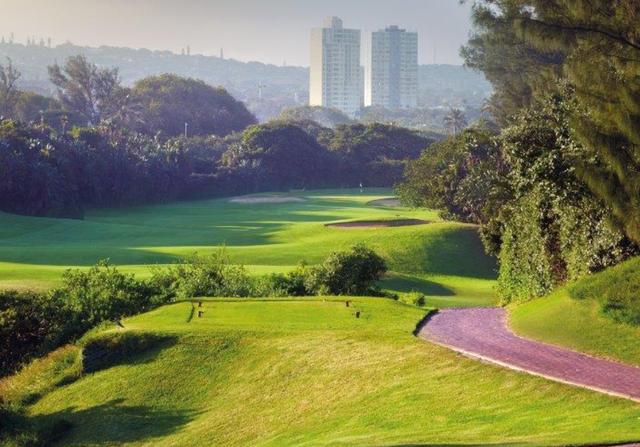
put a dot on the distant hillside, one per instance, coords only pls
(32, 60)
(265, 88)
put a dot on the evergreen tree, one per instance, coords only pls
(595, 45)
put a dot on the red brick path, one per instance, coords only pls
(482, 333)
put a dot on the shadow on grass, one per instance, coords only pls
(406, 284)
(110, 423)
(124, 348)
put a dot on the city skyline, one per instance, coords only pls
(392, 80)
(248, 30)
(336, 77)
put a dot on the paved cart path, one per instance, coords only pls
(483, 333)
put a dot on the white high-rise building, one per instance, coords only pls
(335, 78)
(393, 73)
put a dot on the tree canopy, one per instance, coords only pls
(168, 102)
(526, 46)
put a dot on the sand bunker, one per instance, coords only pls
(390, 202)
(378, 223)
(266, 199)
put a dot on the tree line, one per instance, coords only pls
(169, 138)
(553, 178)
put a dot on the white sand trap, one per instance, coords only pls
(254, 200)
(390, 202)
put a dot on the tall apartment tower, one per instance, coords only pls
(394, 69)
(335, 78)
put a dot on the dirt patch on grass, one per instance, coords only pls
(390, 202)
(254, 200)
(378, 223)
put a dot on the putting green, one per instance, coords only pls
(444, 260)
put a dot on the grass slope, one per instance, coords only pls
(580, 323)
(307, 372)
(445, 260)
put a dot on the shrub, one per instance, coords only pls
(29, 324)
(418, 299)
(202, 275)
(32, 324)
(351, 272)
(103, 293)
(279, 285)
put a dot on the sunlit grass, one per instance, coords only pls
(265, 237)
(308, 372)
(577, 324)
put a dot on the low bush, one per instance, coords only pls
(617, 289)
(281, 285)
(417, 299)
(202, 275)
(350, 272)
(100, 294)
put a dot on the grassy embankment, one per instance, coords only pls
(444, 260)
(308, 372)
(580, 323)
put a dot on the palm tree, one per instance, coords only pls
(455, 120)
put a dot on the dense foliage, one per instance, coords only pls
(45, 173)
(34, 323)
(48, 173)
(372, 154)
(525, 46)
(457, 176)
(555, 185)
(279, 156)
(167, 103)
(521, 185)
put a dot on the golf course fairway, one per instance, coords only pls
(443, 260)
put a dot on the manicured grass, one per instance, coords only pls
(577, 324)
(307, 372)
(445, 259)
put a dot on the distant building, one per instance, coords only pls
(336, 77)
(394, 69)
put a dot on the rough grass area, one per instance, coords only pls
(577, 324)
(308, 372)
(617, 290)
(271, 237)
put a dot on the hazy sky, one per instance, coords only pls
(264, 30)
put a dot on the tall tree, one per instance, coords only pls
(86, 90)
(172, 104)
(595, 45)
(9, 93)
(455, 121)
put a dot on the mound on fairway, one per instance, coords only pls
(391, 202)
(308, 372)
(378, 223)
(253, 200)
